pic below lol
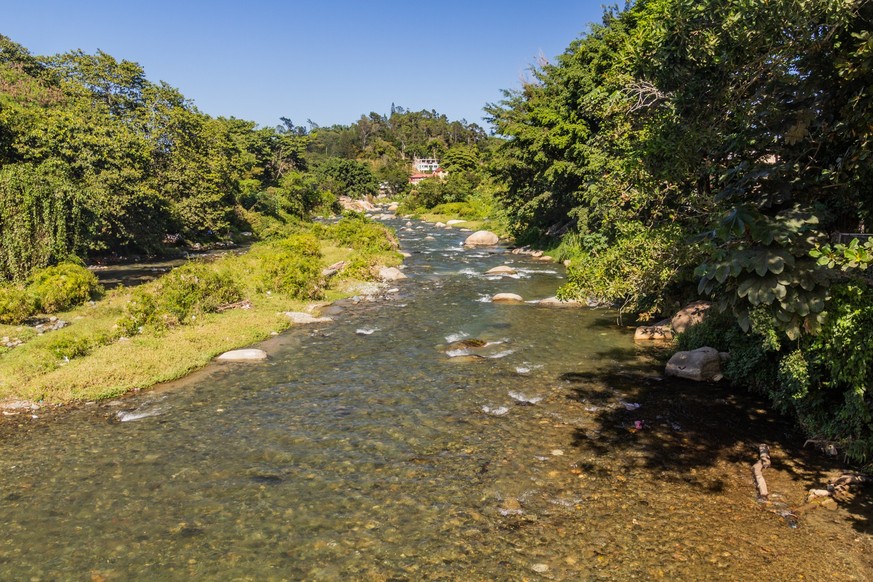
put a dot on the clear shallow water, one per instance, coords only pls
(377, 456)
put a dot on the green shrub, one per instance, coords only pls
(190, 290)
(139, 312)
(63, 287)
(635, 270)
(195, 288)
(292, 266)
(16, 304)
(460, 209)
(362, 234)
(69, 347)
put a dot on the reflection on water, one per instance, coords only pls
(363, 450)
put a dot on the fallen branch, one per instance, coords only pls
(244, 304)
(758, 472)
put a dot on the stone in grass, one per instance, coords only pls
(245, 355)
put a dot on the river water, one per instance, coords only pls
(374, 447)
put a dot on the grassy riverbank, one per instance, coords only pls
(135, 338)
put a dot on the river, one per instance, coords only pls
(375, 448)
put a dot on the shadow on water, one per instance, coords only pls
(684, 431)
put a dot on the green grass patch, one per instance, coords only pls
(165, 329)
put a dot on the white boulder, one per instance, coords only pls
(701, 365)
(245, 355)
(482, 238)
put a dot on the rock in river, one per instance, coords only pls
(507, 298)
(501, 270)
(555, 302)
(702, 365)
(482, 238)
(246, 355)
(691, 314)
(391, 274)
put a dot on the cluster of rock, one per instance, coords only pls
(10, 342)
(348, 203)
(538, 255)
(50, 324)
(666, 330)
(703, 364)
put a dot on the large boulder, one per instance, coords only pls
(482, 238)
(691, 314)
(391, 274)
(701, 365)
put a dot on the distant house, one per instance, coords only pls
(437, 173)
(416, 178)
(423, 165)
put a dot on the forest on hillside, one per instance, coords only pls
(96, 160)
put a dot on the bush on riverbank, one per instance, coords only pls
(49, 290)
(179, 297)
(292, 266)
(16, 304)
(821, 380)
(63, 286)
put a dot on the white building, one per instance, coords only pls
(426, 164)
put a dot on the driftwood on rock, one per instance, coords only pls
(758, 471)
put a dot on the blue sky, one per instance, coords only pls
(328, 60)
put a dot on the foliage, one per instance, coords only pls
(741, 128)
(635, 271)
(16, 304)
(358, 232)
(42, 217)
(63, 287)
(179, 297)
(292, 266)
(762, 262)
(348, 177)
(855, 255)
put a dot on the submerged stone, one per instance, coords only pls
(501, 270)
(507, 298)
(300, 317)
